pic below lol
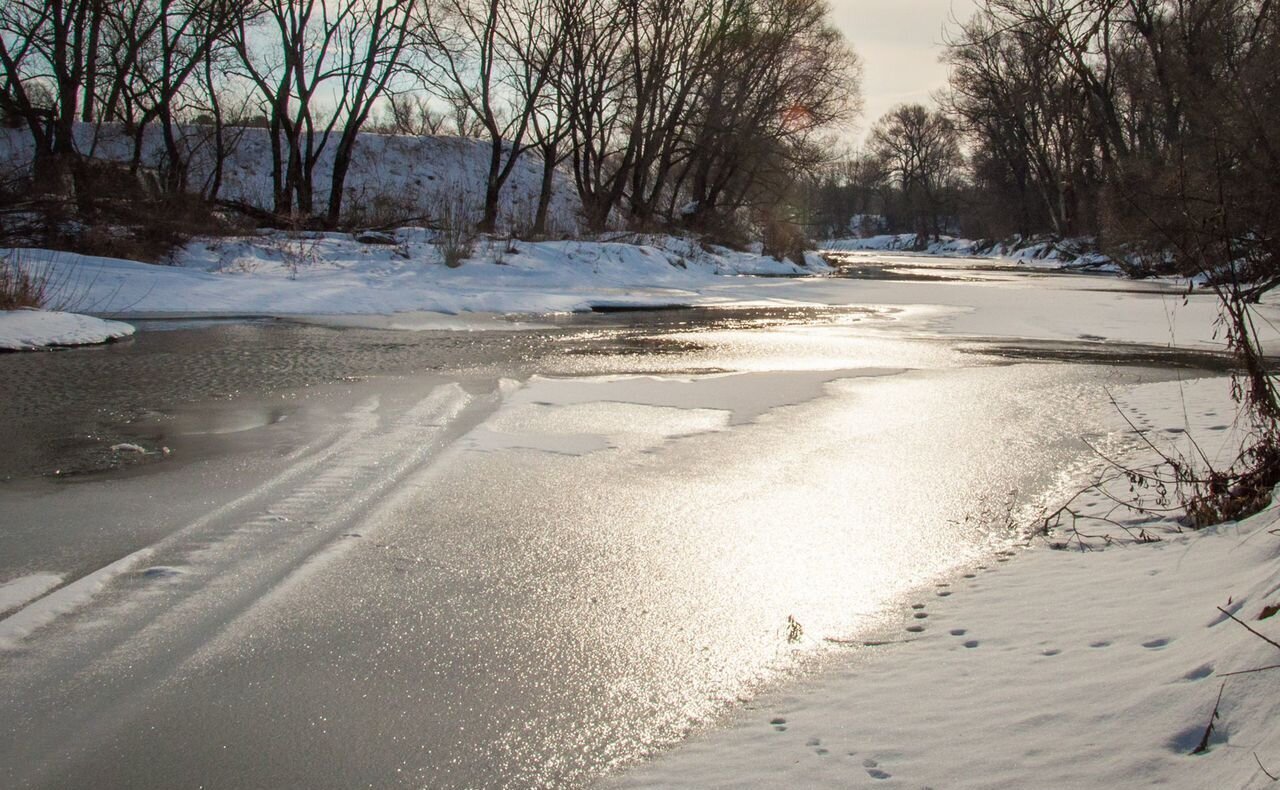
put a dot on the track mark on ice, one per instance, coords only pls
(25, 589)
(42, 611)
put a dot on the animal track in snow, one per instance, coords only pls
(958, 632)
(874, 770)
(971, 643)
(1199, 673)
(1156, 644)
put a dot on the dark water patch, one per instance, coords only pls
(1096, 351)
(606, 307)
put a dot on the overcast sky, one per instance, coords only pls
(899, 42)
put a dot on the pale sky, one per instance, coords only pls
(899, 42)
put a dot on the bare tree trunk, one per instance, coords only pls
(544, 189)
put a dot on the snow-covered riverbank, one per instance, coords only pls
(332, 274)
(26, 330)
(1069, 254)
(1053, 669)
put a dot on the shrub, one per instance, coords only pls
(784, 240)
(21, 287)
(456, 234)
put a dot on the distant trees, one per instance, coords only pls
(1153, 123)
(918, 151)
(663, 111)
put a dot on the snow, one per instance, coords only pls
(15, 627)
(746, 395)
(17, 592)
(25, 330)
(1059, 669)
(281, 274)
(1051, 669)
(1066, 254)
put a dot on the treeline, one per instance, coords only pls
(1146, 123)
(664, 111)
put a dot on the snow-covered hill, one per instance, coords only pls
(390, 176)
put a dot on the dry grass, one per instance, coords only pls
(21, 287)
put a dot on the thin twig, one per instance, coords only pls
(1208, 731)
(1266, 639)
(1248, 671)
(1264, 770)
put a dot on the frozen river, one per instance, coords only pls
(284, 554)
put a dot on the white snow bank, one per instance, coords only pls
(25, 330)
(1033, 253)
(330, 273)
(1056, 669)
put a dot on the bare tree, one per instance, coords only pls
(494, 59)
(919, 150)
(48, 43)
(780, 75)
(350, 47)
(595, 86)
(372, 43)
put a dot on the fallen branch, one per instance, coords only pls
(1264, 638)
(1249, 671)
(1208, 731)
(1264, 770)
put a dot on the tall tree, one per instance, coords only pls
(919, 150)
(495, 59)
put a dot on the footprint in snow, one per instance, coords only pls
(1051, 652)
(874, 770)
(958, 632)
(915, 629)
(161, 572)
(972, 643)
(1156, 644)
(779, 724)
(1199, 673)
(1100, 643)
(943, 593)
